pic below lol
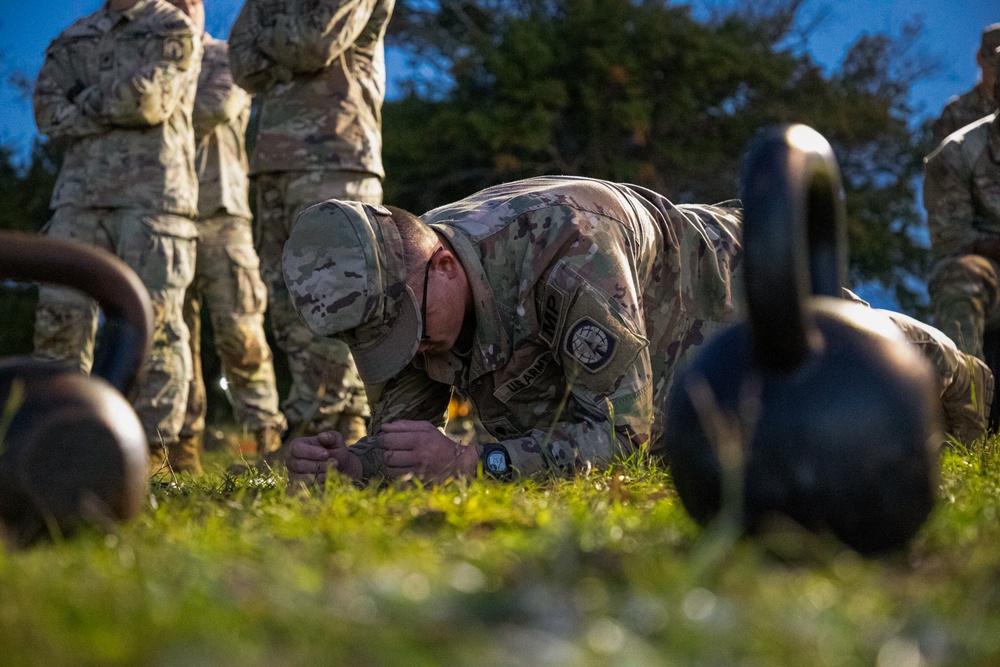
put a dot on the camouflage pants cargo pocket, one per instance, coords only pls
(161, 248)
(228, 284)
(965, 300)
(65, 319)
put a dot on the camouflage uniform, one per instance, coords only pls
(227, 273)
(588, 294)
(964, 383)
(587, 297)
(320, 69)
(961, 110)
(962, 198)
(973, 104)
(118, 88)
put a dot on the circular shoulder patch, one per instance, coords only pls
(590, 344)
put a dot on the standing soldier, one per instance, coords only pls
(973, 104)
(319, 67)
(117, 88)
(962, 198)
(227, 273)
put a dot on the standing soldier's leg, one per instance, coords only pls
(236, 297)
(161, 249)
(186, 456)
(326, 392)
(65, 319)
(965, 299)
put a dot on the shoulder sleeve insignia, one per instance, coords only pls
(590, 344)
(600, 342)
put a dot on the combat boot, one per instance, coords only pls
(268, 439)
(185, 454)
(157, 465)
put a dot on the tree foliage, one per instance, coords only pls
(640, 91)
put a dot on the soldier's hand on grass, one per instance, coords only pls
(418, 448)
(311, 457)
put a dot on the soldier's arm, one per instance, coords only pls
(595, 430)
(310, 40)
(410, 395)
(951, 211)
(601, 345)
(219, 100)
(251, 68)
(57, 99)
(150, 94)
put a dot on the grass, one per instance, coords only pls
(598, 570)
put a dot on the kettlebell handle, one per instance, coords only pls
(128, 327)
(794, 239)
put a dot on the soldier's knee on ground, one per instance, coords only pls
(967, 400)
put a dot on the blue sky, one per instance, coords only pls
(952, 30)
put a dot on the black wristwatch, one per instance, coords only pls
(496, 462)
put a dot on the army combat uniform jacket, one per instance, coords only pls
(962, 188)
(961, 110)
(118, 88)
(588, 294)
(320, 65)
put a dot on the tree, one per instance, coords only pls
(639, 91)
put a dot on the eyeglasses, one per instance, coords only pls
(423, 303)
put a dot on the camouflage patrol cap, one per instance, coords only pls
(991, 39)
(344, 268)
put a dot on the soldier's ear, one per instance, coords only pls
(446, 262)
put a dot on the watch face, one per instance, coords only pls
(496, 462)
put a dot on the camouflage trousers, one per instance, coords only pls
(227, 281)
(161, 250)
(326, 391)
(964, 383)
(965, 299)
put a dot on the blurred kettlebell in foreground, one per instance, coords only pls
(71, 446)
(816, 408)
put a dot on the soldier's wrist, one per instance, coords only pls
(495, 460)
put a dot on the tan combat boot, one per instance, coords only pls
(185, 454)
(268, 440)
(157, 461)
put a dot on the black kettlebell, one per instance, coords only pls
(816, 408)
(71, 446)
